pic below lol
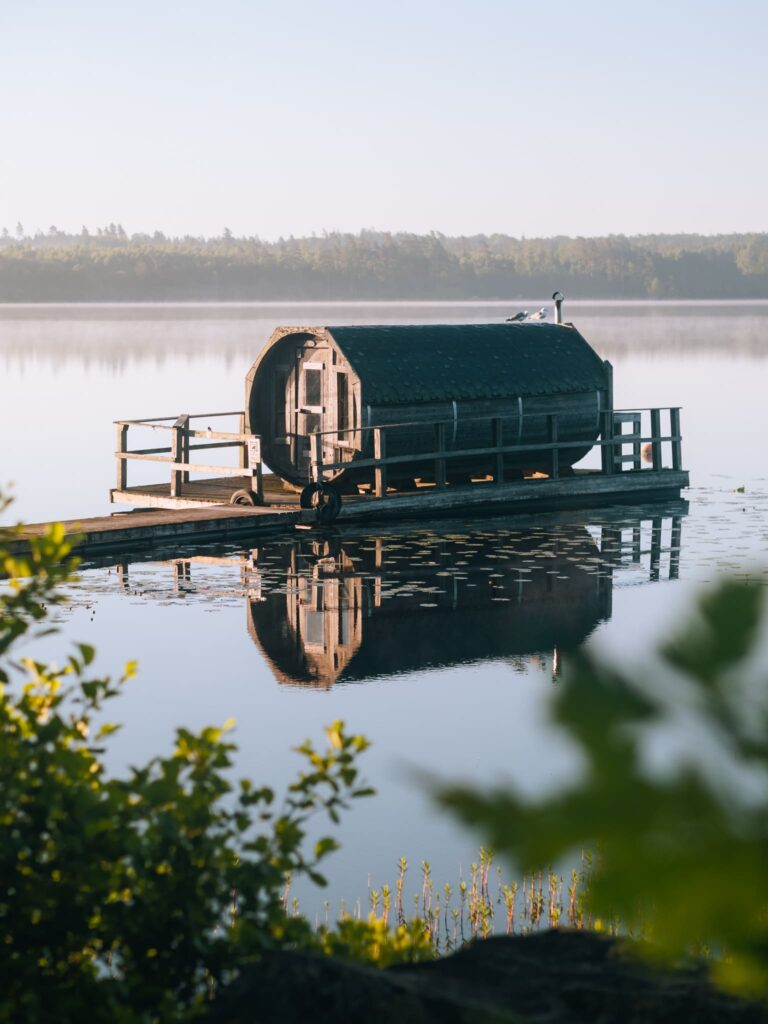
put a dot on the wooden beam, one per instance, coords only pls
(222, 435)
(316, 457)
(609, 384)
(380, 469)
(606, 427)
(182, 424)
(440, 454)
(462, 453)
(220, 444)
(122, 464)
(254, 463)
(632, 457)
(555, 449)
(656, 439)
(498, 443)
(636, 463)
(674, 430)
(607, 450)
(193, 467)
(243, 453)
(177, 455)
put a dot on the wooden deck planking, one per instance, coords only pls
(213, 490)
(158, 526)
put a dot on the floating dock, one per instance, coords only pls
(364, 424)
(154, 527)
(205, 522)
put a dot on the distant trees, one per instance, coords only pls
(111, 265)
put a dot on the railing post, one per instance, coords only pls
(183, 422)
(252, 451)
(656, 439)
(498, 441)
(555, 451)
(177, 455)
(380, 471)
(637, 433)
(440, 460)
(122, 464)
(243, 453)
(607, 449)
(674, 429)
(316, 457)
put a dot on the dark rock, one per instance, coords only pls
(558, 977)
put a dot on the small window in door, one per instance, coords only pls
(313, 389)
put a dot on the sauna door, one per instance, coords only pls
(311, 379)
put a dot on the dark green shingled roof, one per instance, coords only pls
(433, 363)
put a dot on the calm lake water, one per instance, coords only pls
(442, 643)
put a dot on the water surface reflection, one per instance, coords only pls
(333, 608)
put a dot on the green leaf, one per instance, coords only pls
(722, 635)
(87, 653)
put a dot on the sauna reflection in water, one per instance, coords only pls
(479, 598)
(336, 608)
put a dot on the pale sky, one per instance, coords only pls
(529, 118)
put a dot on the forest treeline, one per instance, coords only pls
(111, 265)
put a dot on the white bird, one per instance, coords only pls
(517, 317)
(541, 314)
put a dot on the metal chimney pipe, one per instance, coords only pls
(558, 300)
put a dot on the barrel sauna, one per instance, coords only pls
(339, 381)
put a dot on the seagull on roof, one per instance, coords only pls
(540, 314)
(518, 317)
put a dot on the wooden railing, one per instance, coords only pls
(612, 442)
(177, 454)
(613, 439)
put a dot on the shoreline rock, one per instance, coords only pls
(550, 978)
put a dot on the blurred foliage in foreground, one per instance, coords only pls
(133, 899)
(681, 834)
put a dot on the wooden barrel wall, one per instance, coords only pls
(458, 375)
(524, 421)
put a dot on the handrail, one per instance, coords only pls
(450, 420)
(648, 408)
(154, 425)
(508, 449)
(189, 415)
(176, 456)
(611, 444)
